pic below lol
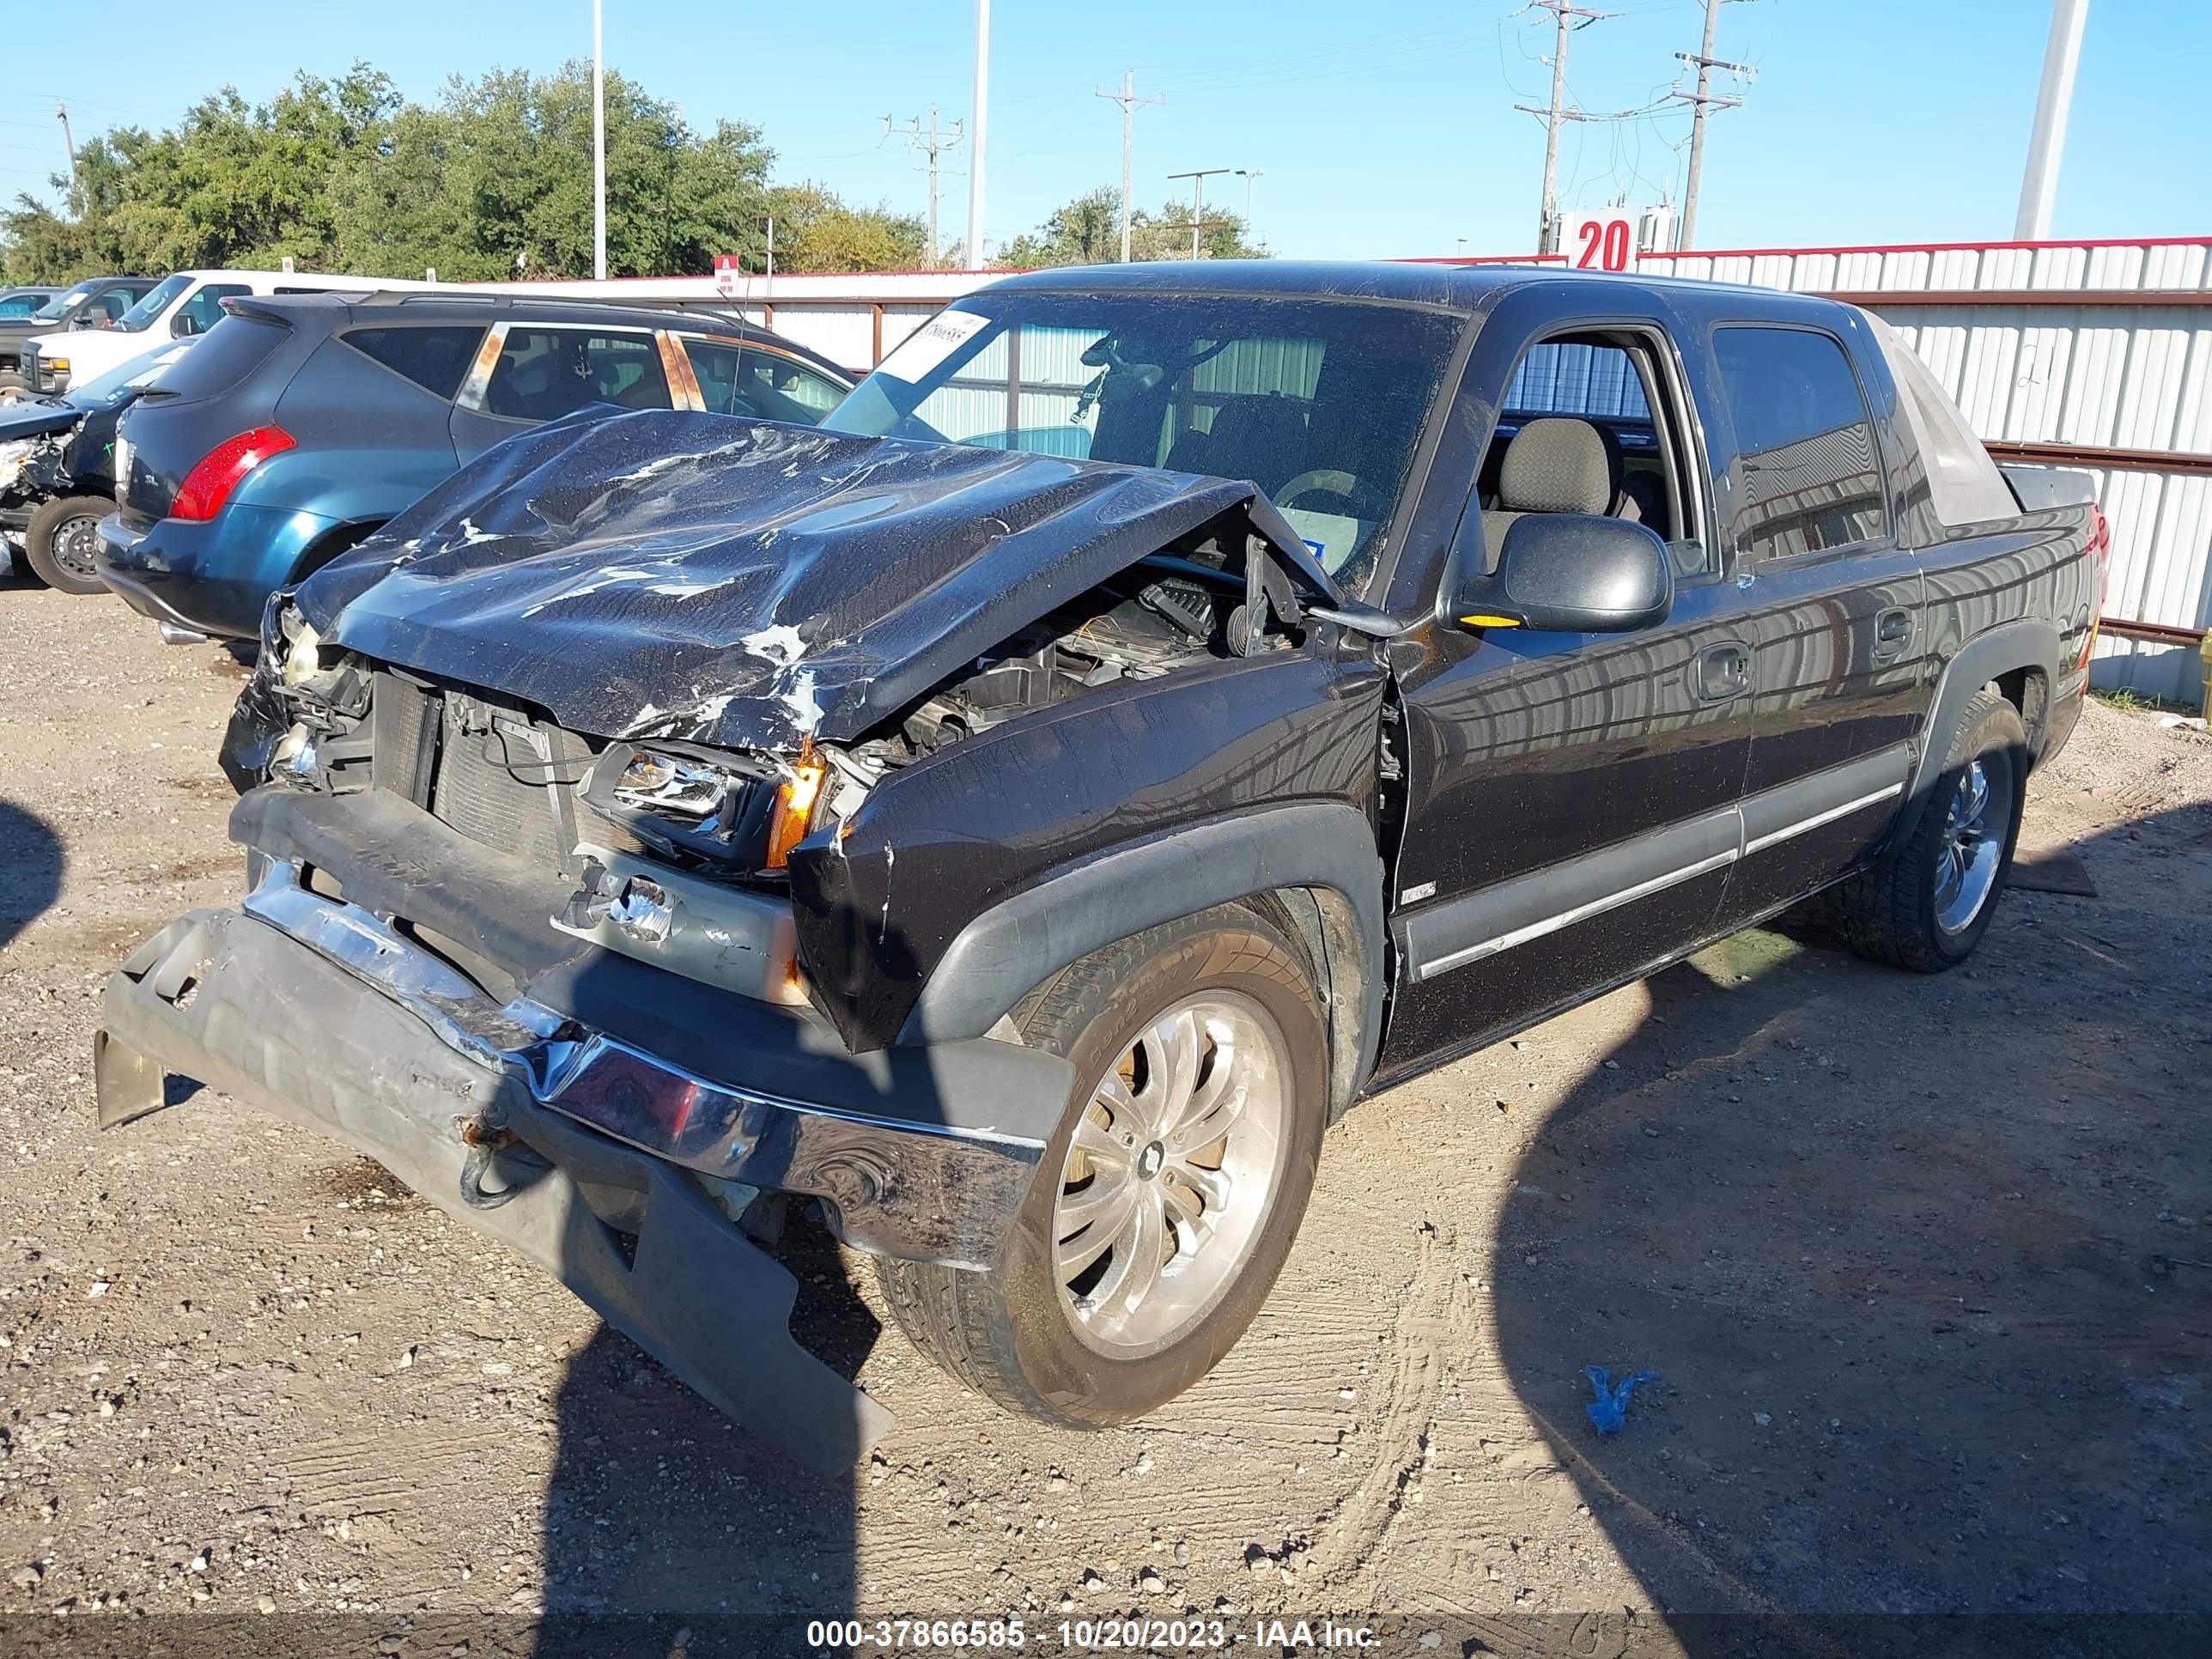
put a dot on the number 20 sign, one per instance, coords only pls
(1604, 239)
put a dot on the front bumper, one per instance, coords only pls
(560, 1140)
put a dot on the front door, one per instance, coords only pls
(1571, 799)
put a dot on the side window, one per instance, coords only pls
(436, 359)
(1807, 475)
(762, 386)
(543, 373)
(1608, 382)
(22, 305)
(204, 309)
(109, 304)
(1563, 377)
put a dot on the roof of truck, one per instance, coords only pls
(1458, 286)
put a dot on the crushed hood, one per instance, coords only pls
(29, 420)
(742, 583)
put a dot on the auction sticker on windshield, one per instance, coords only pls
(931, 344)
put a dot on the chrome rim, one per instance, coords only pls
(1171, 1173)
(76, 542)
(1967, 856)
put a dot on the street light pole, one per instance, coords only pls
(598, 147)
(976, 119)
(2046, 141)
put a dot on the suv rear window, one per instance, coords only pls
(436, 359)
(222, 357)
(1808, 478)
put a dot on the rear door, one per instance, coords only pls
(531, 373)
(1571, 798)
(1831, 603)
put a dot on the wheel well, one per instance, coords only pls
(1326, 929)
(328, 545)
(2029, 691)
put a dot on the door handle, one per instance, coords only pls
(1893, 632)
(1723, 671)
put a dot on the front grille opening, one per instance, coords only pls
(321, 883)
(474, 966)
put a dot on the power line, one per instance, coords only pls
(1127, 99)
(1564, 12)
(1699, 101)
(929, 141)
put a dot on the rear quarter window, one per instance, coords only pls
(223, 357)
(436, 359)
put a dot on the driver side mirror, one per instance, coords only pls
(1572, 573)
(183, 324)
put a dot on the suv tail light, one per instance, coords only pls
(2100, 556)
(223, 468)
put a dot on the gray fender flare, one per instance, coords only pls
(1014, 946)
(2030, 642)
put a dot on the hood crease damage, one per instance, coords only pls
(670, 574)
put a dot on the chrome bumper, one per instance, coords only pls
(554, 1138)
(904, 1188)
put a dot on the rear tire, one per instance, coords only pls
(1925, 903)
(1103, 1302)
(62, 540)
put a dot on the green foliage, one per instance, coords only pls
(815, 232)
(1087, 231)
(493, 181)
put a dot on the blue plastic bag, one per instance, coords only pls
(1610, 1409)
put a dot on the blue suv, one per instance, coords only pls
(299, 424)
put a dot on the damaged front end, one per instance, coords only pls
(572, 809)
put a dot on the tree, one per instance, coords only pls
(1087, 231)
(817, 232)
(491, 180)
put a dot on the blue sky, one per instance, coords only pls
(1379, 128)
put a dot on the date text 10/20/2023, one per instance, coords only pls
(1086, 1635)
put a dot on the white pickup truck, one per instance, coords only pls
(179, 306)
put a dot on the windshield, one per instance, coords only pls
(59, 308)
(132, 376)
(140, 316)
(1319, 402)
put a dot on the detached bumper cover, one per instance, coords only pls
(313, 1011)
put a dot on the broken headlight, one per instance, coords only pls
(684, 803)
(13, 454)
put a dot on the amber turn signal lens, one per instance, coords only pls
(796, 798)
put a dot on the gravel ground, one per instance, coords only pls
(1920, 1263)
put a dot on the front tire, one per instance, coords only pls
(1926, 902)
(1165, 1206)
(63, 539)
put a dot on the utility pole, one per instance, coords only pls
(1198, 222)
(2046, 141)
(1127, 99)
(598, 147)
(1564, 12)
(1703, 99)
(977, 116)
(68, 143)
(1249, 175)
(929, 141)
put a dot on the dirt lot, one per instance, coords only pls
(1922, 1264)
